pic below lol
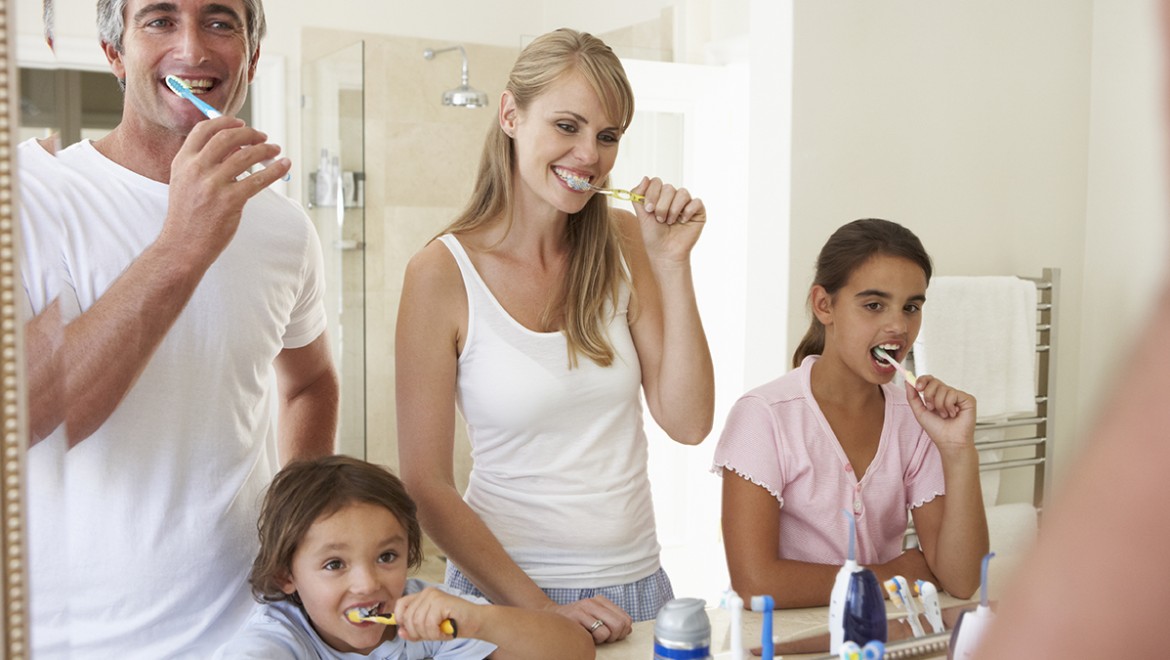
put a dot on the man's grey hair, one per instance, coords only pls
(111, 22)
(47, 20)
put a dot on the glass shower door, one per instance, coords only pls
(334, 195)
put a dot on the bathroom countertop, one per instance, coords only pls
(788, 626)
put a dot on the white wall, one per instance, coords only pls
(966, 122)
(1126, 224)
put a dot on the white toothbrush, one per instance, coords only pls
(900, 595)
(911, 605)
(930, 604)
(886, 357)
(735, 606)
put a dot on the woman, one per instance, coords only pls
(541, 311)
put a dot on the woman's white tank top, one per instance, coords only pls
(559, 455)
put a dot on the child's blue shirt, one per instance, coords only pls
(282, 630)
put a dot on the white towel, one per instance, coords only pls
(979, 335)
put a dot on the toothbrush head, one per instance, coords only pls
(732, 601)
(361, 614)
(983, 600)
(357, 614)
(762, 604)
(925, 589)
(177, 86)
(891, 586)
(881, 354)
(578, 183)
(181, 89)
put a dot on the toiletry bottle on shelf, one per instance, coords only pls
(323, 182)
(682, 630)
(336, 194)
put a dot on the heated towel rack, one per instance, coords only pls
(1037, 428)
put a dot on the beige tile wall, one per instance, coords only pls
(420, 160)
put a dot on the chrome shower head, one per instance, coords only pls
(463, 96)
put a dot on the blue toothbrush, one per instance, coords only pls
(179, 87)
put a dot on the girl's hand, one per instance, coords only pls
(421, 614)
(670, 218)
(945, 413)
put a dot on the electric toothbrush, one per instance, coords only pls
(911, 605)
(767, 645)
(930, 604)
(972, 624)
(857, 610)
(899, 595)
(734, 605)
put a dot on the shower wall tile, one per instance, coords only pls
(420, 163)
(436, 162)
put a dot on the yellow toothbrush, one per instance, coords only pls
(618, 193)
(362, 614)
(581, 184)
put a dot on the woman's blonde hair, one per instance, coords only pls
(595, 266)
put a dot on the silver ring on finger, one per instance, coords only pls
(596, 624)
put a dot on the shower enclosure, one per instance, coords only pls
(334, 196)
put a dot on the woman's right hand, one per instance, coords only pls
(670, 218)
(615, 624)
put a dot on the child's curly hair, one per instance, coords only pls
(306, 491)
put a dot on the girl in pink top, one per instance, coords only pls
(836, 434)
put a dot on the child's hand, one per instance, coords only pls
(421, 614)
(945, 413)
(670, 218)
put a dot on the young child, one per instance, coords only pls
(835, 434)
(338, 533)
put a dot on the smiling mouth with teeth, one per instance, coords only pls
(197, 85)
(578, 183)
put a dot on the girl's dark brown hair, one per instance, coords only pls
(846, 250)
(306, 491)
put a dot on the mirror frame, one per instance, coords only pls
(13, 591)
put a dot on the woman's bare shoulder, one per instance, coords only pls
(433, 275)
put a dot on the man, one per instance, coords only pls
(192, 282)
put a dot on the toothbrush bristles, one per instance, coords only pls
(881, 354)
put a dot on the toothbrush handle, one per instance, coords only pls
(447, 625)
(269, 162)
(624, 195)
(910, 378)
